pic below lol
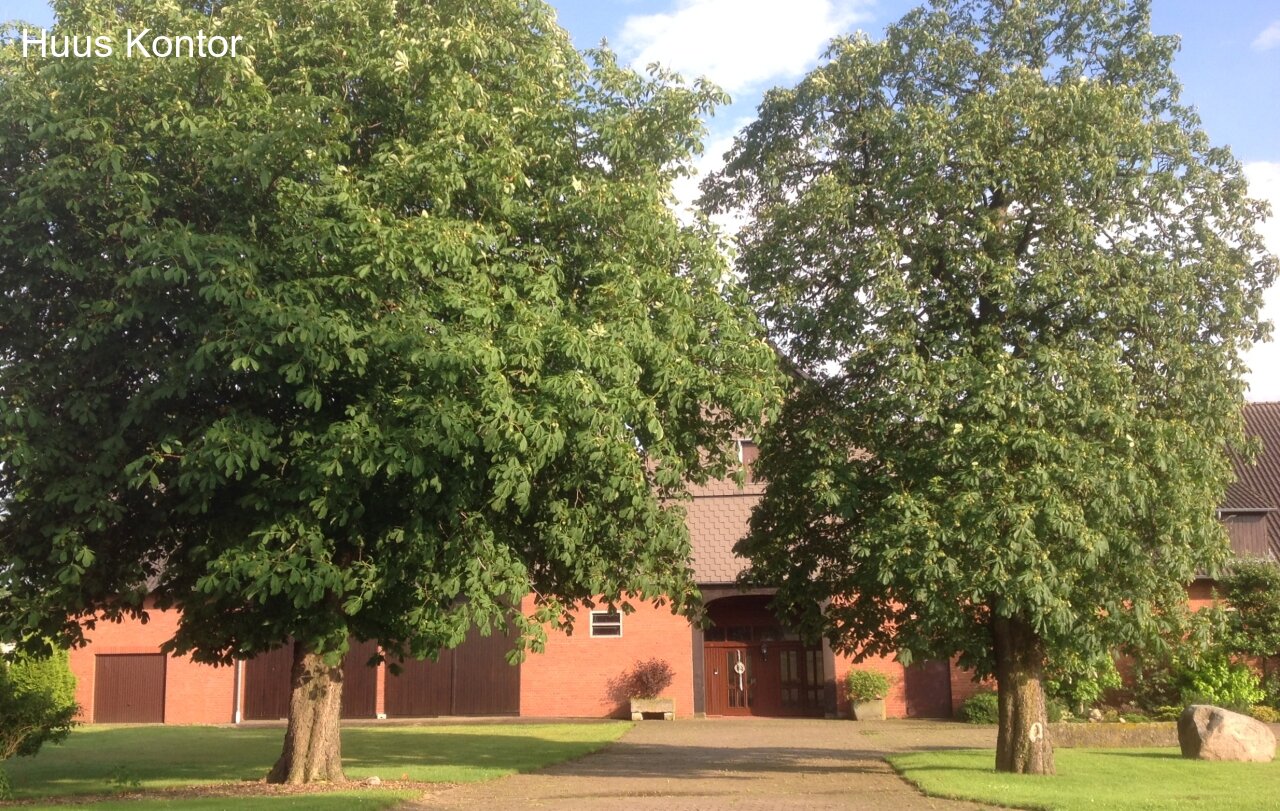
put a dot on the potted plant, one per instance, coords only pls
(644, 685)
(866, 690)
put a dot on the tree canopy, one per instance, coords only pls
(372, 330)
(1017, 278)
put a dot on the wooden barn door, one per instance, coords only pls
(129, 688)
(927, 686)
(421, 689)
(483, 682)
(472, 679)
(360, 682)
(266, 683)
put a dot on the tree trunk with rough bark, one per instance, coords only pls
(312, 744)
(1022, 746)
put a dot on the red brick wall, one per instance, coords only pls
(571, 677)
(194, 693)
(963, 686)
(1200, 595)
(895, 704)
(380, 699)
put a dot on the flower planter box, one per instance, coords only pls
(664, 708)
(868, 710)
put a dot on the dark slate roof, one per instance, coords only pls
(1241, 497)
(1258, 484)
(719, 513)
(1262, 420)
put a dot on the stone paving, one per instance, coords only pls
(729, 763)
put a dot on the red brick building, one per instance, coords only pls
(122, 676)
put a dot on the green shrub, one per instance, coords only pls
(1079, 683)
(1154, 683)
(37, 705)
(1271, 689)
(1134, 717)
(865, 685)
(1219, 681)
(1168, 712)
(37, 702)
(1252, 587)
(1265, 714)
(1161, 661)
(1055, 710)
(981, 708)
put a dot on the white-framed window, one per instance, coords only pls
(748, 452)
(606, 623)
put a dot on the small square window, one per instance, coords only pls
(606, 623)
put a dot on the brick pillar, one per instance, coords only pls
(380, 690)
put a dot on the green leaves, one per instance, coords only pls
(1252, 589)
(375, 332)
(1017, 280)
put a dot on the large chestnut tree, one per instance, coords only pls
(372, 330)
(1016, 277)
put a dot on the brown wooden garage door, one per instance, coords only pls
(928, 689)
(266, 684)
(472, 679)
(129, 688)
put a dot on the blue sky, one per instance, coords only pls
(1229, 66)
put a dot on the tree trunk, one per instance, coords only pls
(1022, 746)
(312, 744)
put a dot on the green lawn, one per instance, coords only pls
(1111, 779)
(106, 759)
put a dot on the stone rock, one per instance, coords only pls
(1095, 715)
(1206, 732)
(373, 781)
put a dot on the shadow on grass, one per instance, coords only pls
(98, 760)
(460, 756)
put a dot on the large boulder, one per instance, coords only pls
(1206, 732)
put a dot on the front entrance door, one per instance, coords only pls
(802, 686)
(731, 678)
(764, 679)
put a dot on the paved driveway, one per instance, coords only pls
(731, 763)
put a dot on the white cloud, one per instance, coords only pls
(1264, 359)
(738, 44)
(1269, 38)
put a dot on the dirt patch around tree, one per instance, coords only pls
(243, 788)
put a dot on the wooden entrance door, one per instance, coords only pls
(776, 679)
(801, 680)
(731, 678)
